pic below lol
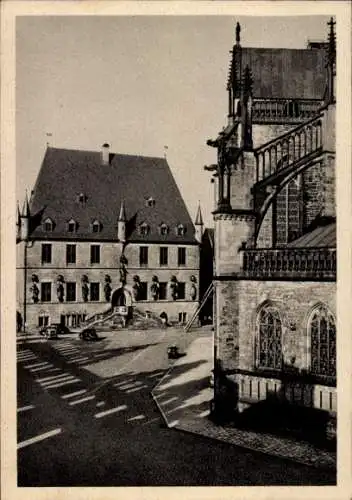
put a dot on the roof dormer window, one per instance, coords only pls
(72, 226)
(144, 229)
(96, 226)
(180, 230)
(48, 225)
(82, 198)
(164, 230)
(150, 202)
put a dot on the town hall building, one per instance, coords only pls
(104, 231)
(275, 231)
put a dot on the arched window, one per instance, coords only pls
(322, 334)
(269, 338)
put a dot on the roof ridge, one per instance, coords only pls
(77, 150)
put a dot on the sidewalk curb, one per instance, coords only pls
(252, 448)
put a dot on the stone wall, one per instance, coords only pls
(237, 306)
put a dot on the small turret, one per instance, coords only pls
(24, 220)
(199, 225)
(121, 224)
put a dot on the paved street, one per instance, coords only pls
(86, 418)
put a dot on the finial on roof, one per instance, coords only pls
(48, 135)
(122, 216)
(199, 218)
(332, 40)
(238, 31)
(25, 211)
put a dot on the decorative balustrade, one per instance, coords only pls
(284, 110)
(289, 148)
(290, 262)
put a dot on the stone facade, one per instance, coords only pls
(275, 243)
(177, 310)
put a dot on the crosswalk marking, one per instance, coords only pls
(170, 400)
(61, 384)
(79, 401)
(74, 360)
(54, 370)
(137, 417)
(35, 439)
(109, 412)
(135, 389)
(25, 408)
(45, 367)
(52, 377)
(37, 364)
(127, 386)
(73, 394)
(47, 383)
(100, 403)
(119, 384)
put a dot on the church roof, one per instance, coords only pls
(286, 73)
(323, 236)
(76, 185)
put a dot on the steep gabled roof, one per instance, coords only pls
(75, 184)
(286, 73)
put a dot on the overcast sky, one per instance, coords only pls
(138, 83)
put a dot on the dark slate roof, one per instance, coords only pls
(323, 236)
(286, 73)
(65, 174)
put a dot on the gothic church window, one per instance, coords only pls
(269, 338)
(322, 334)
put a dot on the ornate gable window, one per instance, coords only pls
(180, 230)
(150, 202)
(164, 230)
(48, 225)
(269, 328)
(71, 226)
(96, 226)
(322, 334)
(143, 229)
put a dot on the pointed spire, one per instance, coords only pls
(122, 216)
(18, 215)
(199, 218)
(25, 211)
(238, 32)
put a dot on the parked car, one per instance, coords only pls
(88, 334)
(50, 332)
(60, 329)
(173, 352)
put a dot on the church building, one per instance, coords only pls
(104, 231)
(275, 231)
